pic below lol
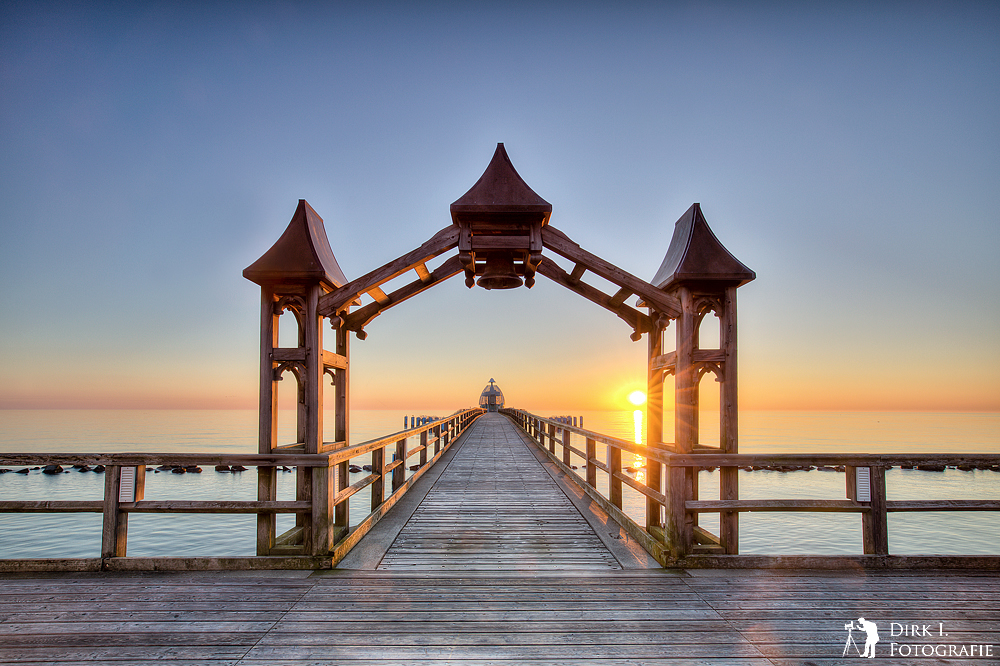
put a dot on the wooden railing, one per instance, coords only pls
(865, 489)
(124, 495)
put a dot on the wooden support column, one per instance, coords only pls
(318, 482)
(729, 488)
(654, 425)
(267, 488)
(678, 529)
(341, 428)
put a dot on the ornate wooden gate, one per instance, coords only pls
(498, 236)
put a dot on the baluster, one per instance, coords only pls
(615, 483)
(591, 467)
(378, 485)
(399, 472)
(566, 434)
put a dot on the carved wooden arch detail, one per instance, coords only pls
(714, 367)
(297, 306)
(336, 304)
(298, 370)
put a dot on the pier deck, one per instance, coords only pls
(493, 559)
(495, 508)
(429, 619)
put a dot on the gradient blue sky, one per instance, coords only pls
(848, 153)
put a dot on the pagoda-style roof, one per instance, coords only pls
(696, 255)
(302, 254)
(501, 196)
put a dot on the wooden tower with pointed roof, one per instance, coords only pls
(298, 269)
(703, 276)
(500, 222)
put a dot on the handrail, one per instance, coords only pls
(120, 499)
(667, 548)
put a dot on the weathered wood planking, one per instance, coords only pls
(495, 508)
(515, 617)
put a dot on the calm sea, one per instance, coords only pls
(169, 431)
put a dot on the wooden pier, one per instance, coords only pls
(495, 538)
(491, 559)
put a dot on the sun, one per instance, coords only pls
(637, 398)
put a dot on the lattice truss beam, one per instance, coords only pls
(336, 304)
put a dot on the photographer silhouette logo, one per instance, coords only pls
(870, 630)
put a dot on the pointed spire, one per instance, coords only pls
(301, 254)
(696, 255)
(501, 195)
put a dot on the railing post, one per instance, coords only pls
(591, 467)
(879, 520)
(423, 443)
(378, 485)
(399, 472)
(552, 438)
(614, 482)
(565, 445)
(324, 488)
(114, 536)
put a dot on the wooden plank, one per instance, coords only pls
(943, 505)
(215, 506)
(494, 488)
(712, 506)
(51, 506)
(155, 459)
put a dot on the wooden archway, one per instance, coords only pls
(499, 234)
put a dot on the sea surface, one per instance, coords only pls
(192, 431)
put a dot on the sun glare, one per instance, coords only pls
(637, 397)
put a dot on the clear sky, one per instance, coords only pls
(847, 152)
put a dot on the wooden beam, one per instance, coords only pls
(943, 505)
(714, 506)
(378, 295)
(560, 243)
(664, 362)
(578, 271)
(214, 506)
(500, 243)
(422, 272)
(331, 304)
(331, 360)
(51, 506)
(620, 297)
(637, 320)
(357, 320)
(288, 354)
